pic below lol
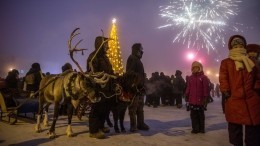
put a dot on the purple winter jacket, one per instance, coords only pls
(197, 89)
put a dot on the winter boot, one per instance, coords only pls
(140, 121)
(133, 122)
(133, 129)
(143, 127)
(98, 135)
(105, 130)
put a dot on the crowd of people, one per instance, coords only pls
(238, 85)
(164, 90)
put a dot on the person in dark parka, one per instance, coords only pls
(65, 68)
(253, 51)
(35, 76)
(99, 62)
(178, 88)
(135, 67)
(12, 79)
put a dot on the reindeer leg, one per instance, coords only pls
(122, 109)
(51, 132)
(109, 123)
(70, 113)
(115, 117)
(38, 128)
(46, 119)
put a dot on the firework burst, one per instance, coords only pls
(200, 23)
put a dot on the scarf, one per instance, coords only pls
(241, 59)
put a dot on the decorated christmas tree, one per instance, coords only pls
(114, 51)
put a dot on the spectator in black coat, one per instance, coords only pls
(12, 79)
(134, 67)
(99, 62)
(33, 78)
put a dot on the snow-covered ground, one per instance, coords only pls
(169, 126)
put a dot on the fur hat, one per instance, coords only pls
(253, 48)
(236, 40)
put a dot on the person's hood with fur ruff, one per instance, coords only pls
(98, 42)
(198, 64)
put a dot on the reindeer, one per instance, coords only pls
(129, 91)
(67, 87)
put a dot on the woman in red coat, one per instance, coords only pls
(242, 103)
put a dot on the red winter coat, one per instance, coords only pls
(197, 89)
(243, 107)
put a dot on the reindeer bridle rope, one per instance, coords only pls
(71, 85)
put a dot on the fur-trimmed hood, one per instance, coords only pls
(198, 64)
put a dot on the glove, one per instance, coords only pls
(226, 95)
(187, 106)
(186, 98)
(206, 101)
(141, 91)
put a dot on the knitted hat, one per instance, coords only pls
(236, 40)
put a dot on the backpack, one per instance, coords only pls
(30, 79)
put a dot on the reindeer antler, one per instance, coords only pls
(94, 76)
(75, 49)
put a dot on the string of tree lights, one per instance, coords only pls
(114, 51)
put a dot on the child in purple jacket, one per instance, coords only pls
(196, 94)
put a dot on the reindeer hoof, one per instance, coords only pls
(71, 135)
(46, 125)
(13, 123)
(52, 135)
(38, 129)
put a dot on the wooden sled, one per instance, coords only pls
(4, 112)
(28, 109)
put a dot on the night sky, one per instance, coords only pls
(38, 31)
